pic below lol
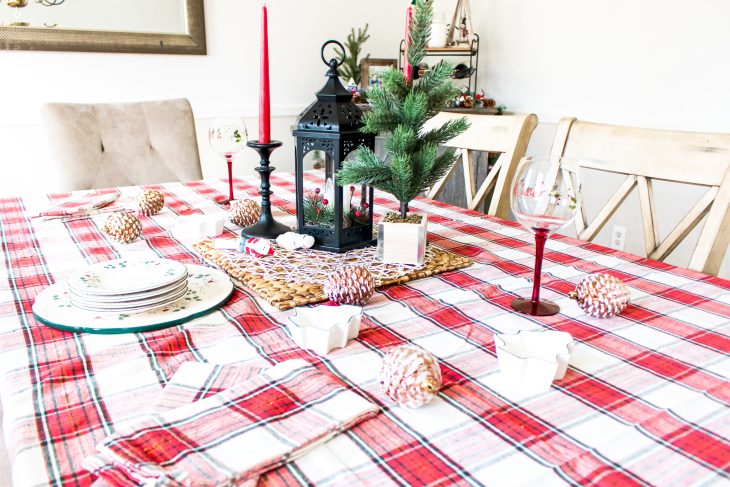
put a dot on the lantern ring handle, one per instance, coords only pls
(338, 44)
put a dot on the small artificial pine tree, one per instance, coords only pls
(400, 109)
(351, 63)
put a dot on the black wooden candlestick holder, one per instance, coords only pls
(267, 227)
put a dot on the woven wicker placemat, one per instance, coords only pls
(294, 278)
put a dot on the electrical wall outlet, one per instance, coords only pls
(618, 238)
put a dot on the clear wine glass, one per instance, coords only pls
(546, 196)
(228, 137)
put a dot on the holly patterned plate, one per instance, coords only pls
(123, 298)
(124, 276)
(132, 306)
(208, 290)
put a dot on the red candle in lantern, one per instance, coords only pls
(264, 97)
(407, 68)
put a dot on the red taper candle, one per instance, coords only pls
(407, 68)
(265, 96)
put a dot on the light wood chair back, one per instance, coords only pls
(505, 134)
(645, 155)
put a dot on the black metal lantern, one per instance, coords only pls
(339, 219)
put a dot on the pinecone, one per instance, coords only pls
(244, 212)
(123, 227)
(352, 285)
(490, 103)
(410, 376)
(601, 295)
(150, 202)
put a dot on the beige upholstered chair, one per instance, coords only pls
(507, 135)
(646, 155)
(122, 144)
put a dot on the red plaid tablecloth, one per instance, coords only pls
(645, 400)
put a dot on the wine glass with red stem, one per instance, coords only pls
(546, 196)
(228, 137)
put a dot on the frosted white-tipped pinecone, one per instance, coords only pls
(410, 376)
(352, 285)
(150, 202)
(244, 212)
(601, 295)
(123, 227)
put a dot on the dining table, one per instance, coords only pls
(644, 400)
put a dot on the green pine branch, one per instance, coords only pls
(415, 108)
(315, 213)
(435, 76)
(427, 155)
(436, 82)
(399, 111)
(394, 82)
(365, 168)
(351, 62)
(420, 32)
(446, 132)
(403, 140)
(441, 165)
(401, 167)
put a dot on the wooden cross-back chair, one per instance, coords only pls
(505, 134)
(644, 155)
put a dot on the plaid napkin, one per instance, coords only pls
(194, 381)
(233, 436)
(81, 205)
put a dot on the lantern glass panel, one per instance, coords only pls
(319, 192)
(313, 160)
(355, 205)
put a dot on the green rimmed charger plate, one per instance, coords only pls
(208, 290)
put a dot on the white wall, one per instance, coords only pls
(654, 63)
(224, 82)
(657, 63)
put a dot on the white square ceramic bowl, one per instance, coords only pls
(323, 328)
(533, 359)
(198, 226)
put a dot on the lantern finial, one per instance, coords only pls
(334, 111)
(332, 63)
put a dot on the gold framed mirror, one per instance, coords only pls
(140, 26)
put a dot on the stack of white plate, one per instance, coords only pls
(128, 286)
